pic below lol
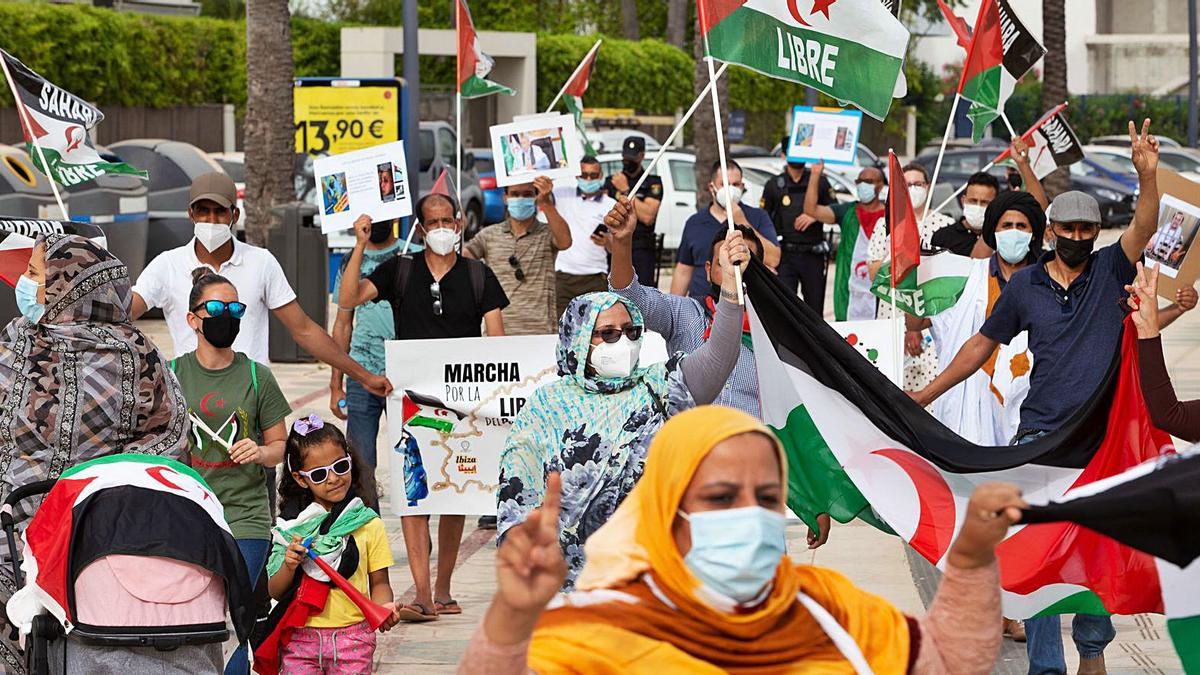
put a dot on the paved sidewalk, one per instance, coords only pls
(873, 560)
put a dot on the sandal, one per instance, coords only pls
(416, 613)
(448, 607)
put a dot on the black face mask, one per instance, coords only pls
(380, 232)
(220, 331)
(799, 166)
(1074, 252)
(630, 167)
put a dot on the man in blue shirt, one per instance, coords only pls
(695, 248)
(1071, 303)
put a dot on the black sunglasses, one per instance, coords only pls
(435, 289)
(218, 307)
(516, 263)
(612, 335)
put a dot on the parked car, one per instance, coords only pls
(234, 164)
(493, 196)
(1107, 161)
(1116, 200)
(1183, 161)
(1122, 140)
(610, 140)
(679, 190)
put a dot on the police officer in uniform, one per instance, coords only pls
(645, 203)
(805, 253)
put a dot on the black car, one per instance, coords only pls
(1116, 200)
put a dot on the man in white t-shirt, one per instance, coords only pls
(583, 267)
(261, 285)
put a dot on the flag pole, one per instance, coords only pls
(458, 139)
(662, 149)
(1011, 132)
(897, 315)
(716, 104)
(23, 113)
(937, 167)
(571, 79)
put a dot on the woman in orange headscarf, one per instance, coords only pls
(691, 575)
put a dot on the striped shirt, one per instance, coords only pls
(531, 311)
(682, 322)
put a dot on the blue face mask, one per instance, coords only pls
(1013, 245)
(26, 294)
(521, 208)
(866, 192)
(735, 552)
(588, 187)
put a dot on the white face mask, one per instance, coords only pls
(442, 240)
(973, 214)
(918, 194)
(732, 193)
(615, 360)
(212, 236)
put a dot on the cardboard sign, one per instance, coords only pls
(1173, 247)
(449, 415)
(829, 134)
(373, 181)
(876, 341)
(536, 145)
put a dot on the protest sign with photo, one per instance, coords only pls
(876, 341)
(829, 134)
(371, 181)
(1171, 249)
(449, 415)
(536, 145)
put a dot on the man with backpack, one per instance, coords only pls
(437, 294)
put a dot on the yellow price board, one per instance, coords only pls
(332, 120)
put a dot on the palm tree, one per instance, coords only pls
(629, 20)
(1054, 78)
(677, 11)
(270, 120)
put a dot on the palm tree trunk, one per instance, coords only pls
(270, 120)
(1054, 79)
(704, 129)
(629, 20)
(676, 22)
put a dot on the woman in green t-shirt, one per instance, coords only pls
(238, 421)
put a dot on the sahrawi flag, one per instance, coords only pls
(18, 235)
(859, 447)
(852, 50)
(473, 65)
(1002, 50)
(127, 504)
(937, 284)
(60, 122)
(421, 410)
(574, 91)
(1052, 144)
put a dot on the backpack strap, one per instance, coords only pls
(403, 274)
(475, 269)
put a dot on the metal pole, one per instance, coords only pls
(412, 85)
(810, 96)
(1192, 73)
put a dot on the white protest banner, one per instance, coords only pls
(829, 134)
(875, 340)
(453, 404)
(371, 181)
(536, 145)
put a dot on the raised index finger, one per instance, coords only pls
(550, 506)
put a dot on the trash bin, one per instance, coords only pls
(118, 206)
(24, 192)
(300, 247)
(172, 166)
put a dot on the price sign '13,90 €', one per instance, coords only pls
(337, 119)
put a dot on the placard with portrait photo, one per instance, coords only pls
(1173, 248)
(541, 145)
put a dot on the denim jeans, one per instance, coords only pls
(254, 553)
(1044, 641)
(1043, 635)
(363, 410)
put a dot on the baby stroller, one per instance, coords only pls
(125, 569)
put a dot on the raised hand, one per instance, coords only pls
(529, 564)
(621, 220)
(362, 229)
(1143, 300)
(734, 252)
(1019, 150)
(1143, 148)
(993, 508)
(544, 187)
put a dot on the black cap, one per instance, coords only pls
(632, 147)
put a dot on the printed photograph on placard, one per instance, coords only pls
(1177, 225)
(334, 195)
(825, 134)
(540, 145)
(387, 183)
(804, 135)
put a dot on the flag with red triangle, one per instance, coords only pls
(473, 65)
(18, 235)
(440, 185)
(573, 93)
(422, 410)
(905, 239)
(962, 32)
(1002, 50)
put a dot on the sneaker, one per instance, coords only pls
(486, 523)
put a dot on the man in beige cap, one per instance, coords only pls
(167, 281)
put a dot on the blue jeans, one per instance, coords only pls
(254, 552)
(363, 410)
(1043, 635)
(1044, 641)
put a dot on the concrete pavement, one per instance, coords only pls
(877, 562)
